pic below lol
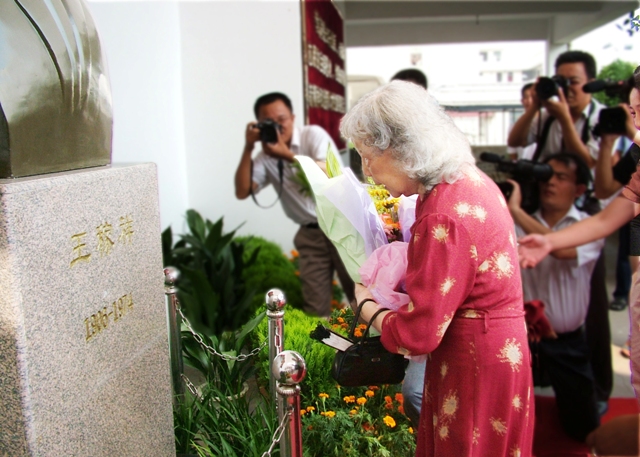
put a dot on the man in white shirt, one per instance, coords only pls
(562, 283)
(274, 165)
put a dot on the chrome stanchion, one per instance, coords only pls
(289, 369)
(276, 302)
(171, 275)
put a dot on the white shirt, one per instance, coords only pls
(311, 141)
(554, 139)
(564, 286)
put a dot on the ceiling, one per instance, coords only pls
(402, 22)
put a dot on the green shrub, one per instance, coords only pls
(271, 269)
(617, 70)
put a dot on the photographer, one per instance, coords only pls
(570, 113)
(281, 142)
(561, 282)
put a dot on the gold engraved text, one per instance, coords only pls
(78, 249)
(100, 321)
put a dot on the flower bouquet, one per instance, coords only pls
(367, 227)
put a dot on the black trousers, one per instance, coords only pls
(565, 363)
(599, 332)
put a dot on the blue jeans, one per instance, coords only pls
(412, 389)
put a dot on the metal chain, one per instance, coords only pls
(190, 385)
(226, 357)
(277, 434)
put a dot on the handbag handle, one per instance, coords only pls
(357, 316)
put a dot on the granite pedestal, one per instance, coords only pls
(84, 357)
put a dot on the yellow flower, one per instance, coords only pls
(411, 430)
(303, 412)
(369, 393)
(361, 401)
(389, 421)
(350, 399)
(353, 411)
(323, 395)
(311, 408)
(329, 414)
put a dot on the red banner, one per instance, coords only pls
(325, 78)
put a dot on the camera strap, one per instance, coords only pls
(542, 139)
(280, 173)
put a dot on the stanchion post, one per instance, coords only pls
(171, 275)
(289, 369)
(276, 302)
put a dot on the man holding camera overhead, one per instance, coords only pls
(281, 142)
(566, 125)
(570, 113)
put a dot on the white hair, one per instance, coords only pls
(403, 119)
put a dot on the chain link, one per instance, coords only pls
(190, 385)
(277, 434)
(226, 357)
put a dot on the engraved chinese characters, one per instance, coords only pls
(105, 240)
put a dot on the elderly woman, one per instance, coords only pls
(466, 307)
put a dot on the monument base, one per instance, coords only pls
(83, 332)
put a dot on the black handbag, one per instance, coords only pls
(367, 362)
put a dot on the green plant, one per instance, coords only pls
(213, 425)
(271, 269)
(225, 371)
(213, 293)
(318, 357)
(618, 70)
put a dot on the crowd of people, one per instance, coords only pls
(495, 314)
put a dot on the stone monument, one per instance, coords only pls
(84, 356)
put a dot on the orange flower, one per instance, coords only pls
(374, 388)
(401, 409)
(297, 273)
(311, 408)
(323, 395)
(334, 302)
(335, 326)
(367, 426)
(294, 253)
(328, 414)
(357, 333)
(350, 399)
(399, 398)
(341, 320)
(387, 399)
(369, 393)
(389, 421)
(361, 401)
(353, 411)
(362, 326)
(303, 412)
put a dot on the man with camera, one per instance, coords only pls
(281, 141)
(569, 114)
(561, 282)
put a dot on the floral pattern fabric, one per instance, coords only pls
(466, 312)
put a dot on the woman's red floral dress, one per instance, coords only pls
(466, 311)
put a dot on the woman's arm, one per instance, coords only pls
(533, 248)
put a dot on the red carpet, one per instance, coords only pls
(549, 438)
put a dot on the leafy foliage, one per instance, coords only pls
(618, 70)
(215, 425)
(271, 269)
(213, 291)
(227, 376)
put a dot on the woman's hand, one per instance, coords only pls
(361, 293)
(532, 249)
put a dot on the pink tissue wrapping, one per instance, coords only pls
(384, 274)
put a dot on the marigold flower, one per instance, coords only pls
(344, 326)
(374, 388)
(350, 399)
(341, 320)
(334, 282)
(328, 414)
(294, 253)
(353, 411)
(303, 412)
(335, 326)
(369, 393)
(357, 333)
(297, 273)
(401, 409)
(323, 395)
(334, 302)
(411, 430)
(389, 421)
(367, 426)
(311, 408)
(361, 401)
(399, 398)
(387, 399)
(362, 326)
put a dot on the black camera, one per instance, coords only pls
(526, 173)
(548, 87)
(268, 132)
(611, 120)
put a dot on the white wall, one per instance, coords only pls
(184, 78)
(142, 43)
(233, 52)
